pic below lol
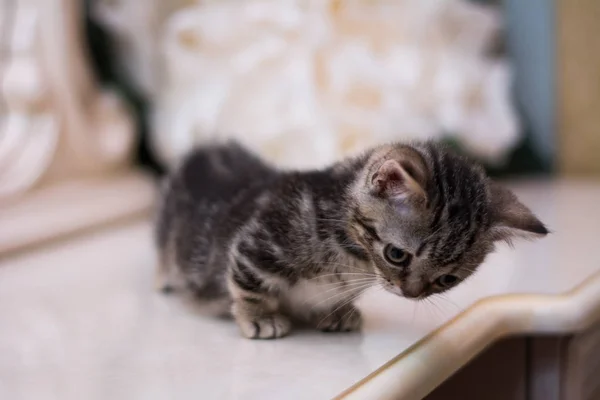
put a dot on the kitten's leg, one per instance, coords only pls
(257, 313)
(339, 319)
(160, 278)
(168, 277)
(257, 319)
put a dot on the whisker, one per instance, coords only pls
(438, 310)
(345, 291)
(412, 320)
(350, 267)
(343, 274)
(340, 306)
(344, 284)
(348, 314)
(429, 311)
(357, 287)
(446, 299)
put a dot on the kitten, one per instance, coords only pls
(270, 245)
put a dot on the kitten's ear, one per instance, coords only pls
(399, 180)
(510, 218)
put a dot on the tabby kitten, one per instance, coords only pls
(270, 245)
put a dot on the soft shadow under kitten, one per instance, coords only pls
(268, 245)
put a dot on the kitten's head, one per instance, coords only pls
(429, 217)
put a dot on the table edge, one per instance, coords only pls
(492, 318)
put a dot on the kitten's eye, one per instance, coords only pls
(397, 256)
(446, 281)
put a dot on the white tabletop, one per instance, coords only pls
(80, 319)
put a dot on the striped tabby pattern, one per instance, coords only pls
(270, 246)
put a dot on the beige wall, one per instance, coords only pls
(578, 96)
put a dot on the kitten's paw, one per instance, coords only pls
(344, 320)
(265, 327)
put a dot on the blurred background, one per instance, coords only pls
(95, 91)
(305, 82)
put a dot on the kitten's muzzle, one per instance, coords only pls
(413, 295)
(409, 290)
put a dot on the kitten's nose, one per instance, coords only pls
(411, 290)
(410, 295)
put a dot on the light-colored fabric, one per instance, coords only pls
(305, 82)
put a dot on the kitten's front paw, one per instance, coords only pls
(264, 327)
(345, 319)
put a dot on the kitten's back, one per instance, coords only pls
(207, 178)
(217, 173)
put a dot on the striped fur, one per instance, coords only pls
(270, 245)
